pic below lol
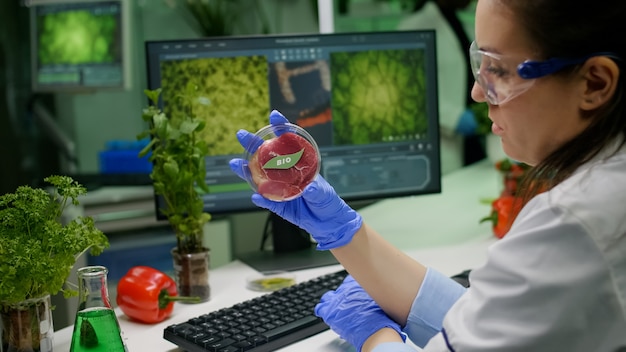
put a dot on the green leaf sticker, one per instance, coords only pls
(284, 161)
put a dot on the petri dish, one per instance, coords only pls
(270, 281)
(285, 159)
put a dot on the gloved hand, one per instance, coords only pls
(319, 210)
(353, 314)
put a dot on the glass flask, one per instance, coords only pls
(96, 327)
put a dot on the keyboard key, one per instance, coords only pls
(288, 328)
(244, 345)
(221, 344)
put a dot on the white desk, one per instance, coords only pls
(440, 230)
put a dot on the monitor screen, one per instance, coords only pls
(79, 46)
(369, 100)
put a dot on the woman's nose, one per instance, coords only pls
(478, 94)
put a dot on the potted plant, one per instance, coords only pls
(178, 153)
(37, 252)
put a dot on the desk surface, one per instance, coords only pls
(440, 230)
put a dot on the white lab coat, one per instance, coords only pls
(556, 281)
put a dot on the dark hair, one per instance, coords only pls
(576, 28)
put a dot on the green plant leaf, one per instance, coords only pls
(143, 152)
(188, 127)
(171, 169)
(153, 95)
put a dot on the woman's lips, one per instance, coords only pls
(497, 130)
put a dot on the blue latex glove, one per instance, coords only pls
(319, 210)
(353, 314)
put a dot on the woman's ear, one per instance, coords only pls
(601, 75)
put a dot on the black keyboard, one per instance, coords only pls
(262, 324)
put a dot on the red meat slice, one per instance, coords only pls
(283, 184)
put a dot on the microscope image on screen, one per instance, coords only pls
(80, 45)
(301, 91)
(236, 90)
(378, 96)
(379, 101)
(78, 37)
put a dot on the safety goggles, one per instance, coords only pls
(503, 78)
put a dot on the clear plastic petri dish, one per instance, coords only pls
(270, 281)
(285, 159)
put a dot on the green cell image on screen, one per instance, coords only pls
(378, 96)
(234, 91)
(78, 37)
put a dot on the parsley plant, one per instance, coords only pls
(37, 251)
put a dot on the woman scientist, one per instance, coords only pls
(552, 74)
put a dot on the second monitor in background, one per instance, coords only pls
(368, 99)
(80, 46)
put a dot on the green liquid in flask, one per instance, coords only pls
(97, 329)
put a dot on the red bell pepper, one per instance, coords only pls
(512, 174)
(147, 295)
(503, 211)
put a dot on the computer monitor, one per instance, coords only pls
(79, 45)
(368, 99)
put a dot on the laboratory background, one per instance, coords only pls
(56, 132)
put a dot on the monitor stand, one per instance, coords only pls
(292, 249)
(290, 261)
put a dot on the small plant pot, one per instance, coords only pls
(27, 326)
(191, 273)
